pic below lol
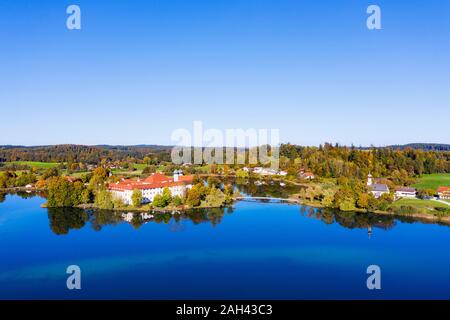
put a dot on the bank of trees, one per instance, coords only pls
(346, 195)
(62, 193)
(334, 161)
(10, 179)
(208, 196)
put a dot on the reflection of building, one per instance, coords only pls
(151, 186)
(377, 189)
(444, 192)
(405, 192)
(128, 217)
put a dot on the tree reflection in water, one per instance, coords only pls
(62, 220)
(349, 220)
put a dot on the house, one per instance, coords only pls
(264, 171)
(70, 179)
(307, 175)
(151, 186)
(405, 192)
(443, 192)
(377, 189)
(268, 171)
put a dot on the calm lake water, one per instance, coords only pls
(254, 250)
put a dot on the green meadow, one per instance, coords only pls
(418, 203)
(35, 164)
(433, 181)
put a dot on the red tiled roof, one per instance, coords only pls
(70, 179)
(156, 180)
(443, 189)
(157, 177)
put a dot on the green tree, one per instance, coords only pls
(136, 198)
(3, 180)
(51, 172)
(103, 200)
(61, 193)
(166, 196)
(98, 179)
(177, 201)
(158, 201)
(25, 178)
(149, 170)
(213, 182)
(363, 201)
(215, 198)
(327, 197)
(118, 203)
(242, 174)
(228, 191)
(196, 194)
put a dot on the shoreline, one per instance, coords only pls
(417, 216)
(91, 206)
(19, 189)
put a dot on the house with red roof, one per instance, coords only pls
(151, 186)
(444, 192)
(307, 175)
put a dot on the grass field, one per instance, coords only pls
(139, 166)
(77, 174)
(39, 165)
(122, 172)
(417, 203)
(433, 181)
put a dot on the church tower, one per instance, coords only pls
(369, 180)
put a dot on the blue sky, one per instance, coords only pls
(138, 70)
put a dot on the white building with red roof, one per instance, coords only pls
(444, 192)
(151, 186)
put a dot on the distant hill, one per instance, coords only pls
(81, 153)
(423, 146)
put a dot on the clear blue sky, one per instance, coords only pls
(140, 69)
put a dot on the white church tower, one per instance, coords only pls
(369, 180)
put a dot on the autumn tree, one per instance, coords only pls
(136, 198)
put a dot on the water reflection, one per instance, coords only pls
(62, 220)
(263, 188)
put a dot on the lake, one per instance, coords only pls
(254, 250)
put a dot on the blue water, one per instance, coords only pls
(255, 251)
